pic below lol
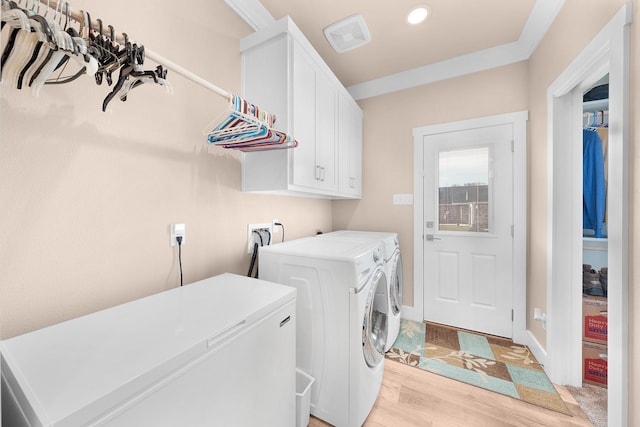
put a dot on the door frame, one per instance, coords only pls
(608, 52)
(518, 120)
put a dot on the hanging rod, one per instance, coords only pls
(186, 73)
(78, 16)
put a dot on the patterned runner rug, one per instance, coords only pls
(485, 361)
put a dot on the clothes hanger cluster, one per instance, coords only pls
(596, 119)
(248, 128)
(37, 50)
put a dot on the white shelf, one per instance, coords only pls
(591, 106)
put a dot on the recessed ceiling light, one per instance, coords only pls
(417, 15)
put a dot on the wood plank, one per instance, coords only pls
(412, 397)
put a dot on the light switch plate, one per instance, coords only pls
(403, 199)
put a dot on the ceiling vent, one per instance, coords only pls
(348, 33)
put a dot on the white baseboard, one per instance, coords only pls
(410, 313)
(534, 345)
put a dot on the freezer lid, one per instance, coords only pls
(88, 363)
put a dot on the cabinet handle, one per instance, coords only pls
(352, 182)
(317, 173)
(322, 173)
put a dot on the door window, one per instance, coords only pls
(463, 190)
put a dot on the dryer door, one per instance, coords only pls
(375, 323)
(396, 285)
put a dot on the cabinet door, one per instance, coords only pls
(304, 119)
(350, 148)
(326, 155)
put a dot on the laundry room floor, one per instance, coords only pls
(413, 397)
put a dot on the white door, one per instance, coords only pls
(467, 229)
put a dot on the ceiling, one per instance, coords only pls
(472, 34)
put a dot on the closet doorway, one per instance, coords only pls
(608, 53)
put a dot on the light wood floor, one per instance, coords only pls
(412, 397)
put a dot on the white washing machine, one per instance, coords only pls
(393, 268)
(341, 316)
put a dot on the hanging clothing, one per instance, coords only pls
(593, 182)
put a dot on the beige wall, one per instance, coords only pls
(388, 146)
(576, 25)
(87, 197)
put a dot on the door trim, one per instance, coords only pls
(607, 52)
(519, 122)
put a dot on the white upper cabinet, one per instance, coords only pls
(284, 75)
(350, 147)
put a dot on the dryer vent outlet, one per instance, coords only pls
(348, 33)
(262, 234)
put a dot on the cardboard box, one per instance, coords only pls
(594, 364)
(594, 319)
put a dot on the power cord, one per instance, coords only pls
(253, 259)
(179, 240)
(254, 256)
(260, 236)
(256, 247)
(278, 224)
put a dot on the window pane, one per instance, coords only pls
(463, 181)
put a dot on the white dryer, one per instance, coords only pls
(342, 305)
(393, 268)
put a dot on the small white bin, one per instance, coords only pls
(304, 382)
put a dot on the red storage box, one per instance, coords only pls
(594, 364)
(594, 319)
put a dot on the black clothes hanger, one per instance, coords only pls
(32, 60)
(124, 73)
(55, 47)
(7, 51)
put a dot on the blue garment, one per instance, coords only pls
(593, 184)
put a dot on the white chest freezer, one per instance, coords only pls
(218, 352)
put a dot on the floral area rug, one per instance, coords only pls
(485, 361)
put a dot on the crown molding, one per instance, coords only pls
(542, 16)
(455, 67)
(252, 12)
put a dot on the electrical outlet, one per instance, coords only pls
(266, 232)
(537, 313)
(540, 316)
(177, 230)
